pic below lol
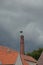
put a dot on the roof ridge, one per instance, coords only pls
(29, 58)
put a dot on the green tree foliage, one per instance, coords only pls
(36, 53)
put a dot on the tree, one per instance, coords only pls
(36, 53)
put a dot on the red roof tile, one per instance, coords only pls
(7, 56)
(23, 61)
(28, 58)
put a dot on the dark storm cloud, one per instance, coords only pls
(21, 14)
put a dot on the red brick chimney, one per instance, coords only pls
(21, 43)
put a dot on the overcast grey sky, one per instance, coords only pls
(26, 15)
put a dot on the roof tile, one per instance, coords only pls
(6, 57)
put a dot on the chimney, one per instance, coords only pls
(21, 42)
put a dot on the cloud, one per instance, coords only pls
(26, 15)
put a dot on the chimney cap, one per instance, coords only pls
(21, 31)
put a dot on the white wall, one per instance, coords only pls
(0, 63)
(18, 62)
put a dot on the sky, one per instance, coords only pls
(26, 15)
